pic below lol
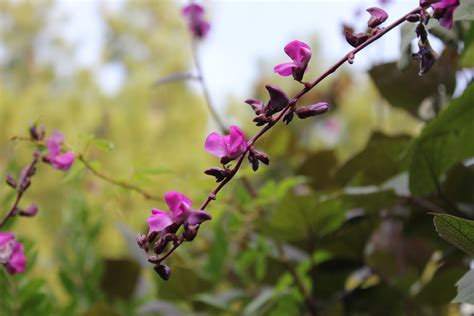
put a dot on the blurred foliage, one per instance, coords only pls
(341, 214)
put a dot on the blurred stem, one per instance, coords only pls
(205, 89)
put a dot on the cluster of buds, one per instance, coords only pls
(377, 17)
(163, 228)
(194, 14)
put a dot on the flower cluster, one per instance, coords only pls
(12, 256)
(194, 14)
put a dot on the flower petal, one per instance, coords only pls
(193, 9)
(196, 217)
(215, 145)
(17, 262)
(159, 220)
(237, 142)
(5, 237)
(284, 69)
(178, 203)
(293, 49)
(63, 162)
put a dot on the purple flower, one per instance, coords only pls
(444, 11)
(180, 213)
(377, 17)
(300, 53)
(194, 14)
(228, 147)
(11, 254)
(60, 161)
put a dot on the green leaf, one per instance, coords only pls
(465, 289)
(456, 230)
(406, 89)
(380, 160)
(445, 141)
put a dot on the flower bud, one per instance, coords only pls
(261, 120)
(219, 174)
(163, 271)
(377, 17)
(413, 18)
(278, 99)
(253, 160)
(356, 39)
(11, 181)
(37, 133)
(312, 110)
(30, 211)
(141, 240)
(426, 55)
(262, 157)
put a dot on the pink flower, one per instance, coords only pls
(300, 53)
(11, 254)
(55, 157)
(194, 13)
(377, 17)
(443, 10)
(228, 147)
(181, 213)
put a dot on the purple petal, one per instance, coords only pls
(196, 217)
(193, 9)
(293, 49)
(303, 58)
(215, 145)
(377, 16)
(63, 162)
(284, 69)
(17, 262)
(178, 203)
(159, 220)
(5, 237)
(237, 142)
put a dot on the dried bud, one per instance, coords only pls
(253, 160)
(278, 100)
(288, 117)
(30, 211)
(219, 174)
(426, 55)
(312, 110)
(10, 181)
(37, 133)
(261, 120)
(262, 157)
(413, 18)
(163, 271)
(377, 17)
(257, 106)
(141, 240)
(356, 39)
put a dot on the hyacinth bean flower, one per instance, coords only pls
(194, 14)
(180, 214)
(11, 254)
(443, 10)
(300, 53)
(60, 161)
(228, 147)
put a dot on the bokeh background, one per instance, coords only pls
(344, 203)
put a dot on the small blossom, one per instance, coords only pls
(194, 14)
(228, 147)
(11, 254)
(180, 213)
(60, 161)
(31, 211)
(443, 10)
(300, 53)
(377, 17)
(163, 271)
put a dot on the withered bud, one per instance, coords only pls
(288, 117)
(163, 271)
(11, 181)
(377, 17)
(356, 39)
(426, 55)
(413, 18)
(257, 106)
(219, 174)
(37, 132)
(141, 240)
(312, 110)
